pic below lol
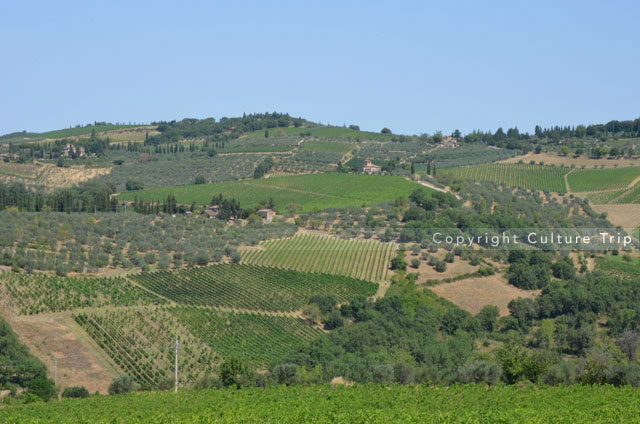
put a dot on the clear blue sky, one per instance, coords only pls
(411, 66)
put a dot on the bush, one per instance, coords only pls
(132, 185)
(232, 371)
(334, 320)
(479, 372)
(415, 263)
(326, 302)
(200, 179)
(42, 387)
(122, 384)
(75, 392)
(286, 374)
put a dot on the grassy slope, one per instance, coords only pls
(602, 179)
(361, 403)
(310, 191)
(327, 146)
(67, 132)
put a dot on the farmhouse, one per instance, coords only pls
(211, 211)
(267, 214)
(450, 142)
(370, 168)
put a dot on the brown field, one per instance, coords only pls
(48, 175)
(626, 216)
(552, 158)
(474, 293)
(134, 135)
(427, 272)
(81, 362)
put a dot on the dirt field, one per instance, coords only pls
(134, 135)
(626, 216)
(80, 360)
(48, 175)
(552, 158)
(427, 272)
(475, 293)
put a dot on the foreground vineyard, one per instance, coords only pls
(37, 293)
(537, 177)
(363, 259)
(362, 403)
(250, 286)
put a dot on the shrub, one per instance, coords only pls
(286, 374)
(479, 372)
(122, 384)
(75, 392)
(42, 387)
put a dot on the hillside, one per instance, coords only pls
(308, 192)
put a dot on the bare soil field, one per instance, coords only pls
(554, 159)
(474, 293)
(427, 272)
(80, 361)
(48, 175)
(626, 216)
(134, 135)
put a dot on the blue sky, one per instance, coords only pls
(411, 66)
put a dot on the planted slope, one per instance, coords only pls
(250, 286)
(138, 341)
(35, 293)
(602, 179)
(536, 177)
(364, 259)
(251, 337)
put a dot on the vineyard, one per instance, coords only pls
(363, 259)
(250, 286)
(602, 179)
(534, 177)
(360, 403)
(465, 155)
(256, 339)
(138, 341)
(32, 294)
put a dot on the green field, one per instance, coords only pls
(250, 286)
(327, 146)
(357, 404)
(602, 179)
(258, 148)
(310, 192)
(364, 259)
(537, 177)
